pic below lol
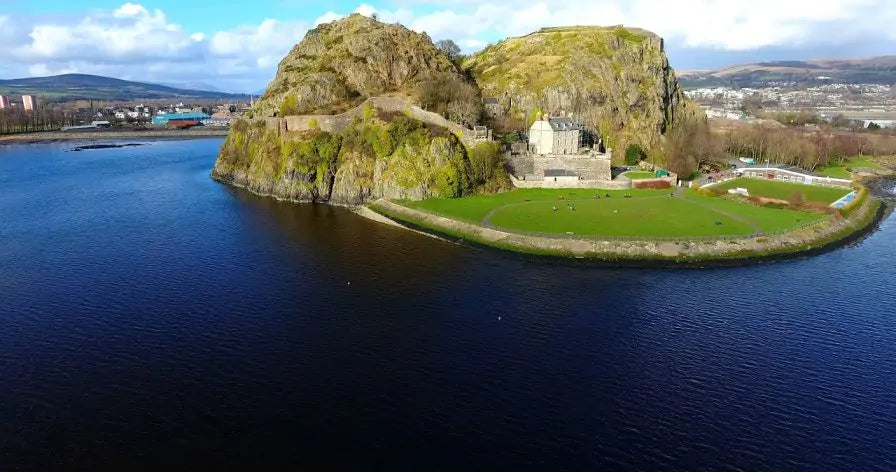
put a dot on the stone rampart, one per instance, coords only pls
(339, 123)
(586, 166)
(540, 182)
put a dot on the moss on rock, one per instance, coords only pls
(617, 79)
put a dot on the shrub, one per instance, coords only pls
(652, 184)
(634, 154)
(369, 112)
(797, 197)
(290, 106)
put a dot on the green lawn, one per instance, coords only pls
(663, 216)
(649, 213)
(473, 209)
(783, 190)
(842, 171)
(769, 220)
(637, 175)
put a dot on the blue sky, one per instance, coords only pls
(235, 46)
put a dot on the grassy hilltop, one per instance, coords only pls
(618, 79)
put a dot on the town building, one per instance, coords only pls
(560, 136)
(29, 102)
(162, 120)
(4, 102)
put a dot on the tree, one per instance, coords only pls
(633, 155)
(873, 126)
(687, 144)
(449, 47)
(452, 97)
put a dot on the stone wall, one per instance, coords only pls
(540, 182)
(339, 123)
(587, 166)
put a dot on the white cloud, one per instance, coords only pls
(130, 10)
(133, 41)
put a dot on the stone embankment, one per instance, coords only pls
(804, 240)
(112, 134)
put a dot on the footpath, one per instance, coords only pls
(800, 240)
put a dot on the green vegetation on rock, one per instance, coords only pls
(337, 65)
(371, 159)
(617, 79)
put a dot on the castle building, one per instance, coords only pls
(555, 136)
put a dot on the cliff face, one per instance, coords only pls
(618, 80)
(337, 65)
(401, 159)
(374, 153)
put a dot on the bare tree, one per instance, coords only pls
(449, 47)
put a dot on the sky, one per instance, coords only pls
(234, 46)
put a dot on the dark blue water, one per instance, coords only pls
(153, 318)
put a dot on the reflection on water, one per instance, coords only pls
(155, 318)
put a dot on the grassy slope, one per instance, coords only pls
(842, 171)
(783, 190)
(769, 220)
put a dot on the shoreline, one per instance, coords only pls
(647, 253)
(858, 223)
(64, 136)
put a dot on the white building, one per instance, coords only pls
(555, 136)
(4, 102)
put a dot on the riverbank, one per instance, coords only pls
(806, 241)
(54, 136)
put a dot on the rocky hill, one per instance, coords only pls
(618, 80)
(372, 151)
(338, 65)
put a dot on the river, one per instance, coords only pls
(154, 318)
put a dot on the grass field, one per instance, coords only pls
(638, 175)
(648, 213)
(663, 216)
(474, 209)
(783, 190)
(842, 171)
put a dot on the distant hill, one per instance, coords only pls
(876, 70)
(84, 86)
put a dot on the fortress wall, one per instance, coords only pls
(592, 184)
(339, 123)
(586, 166)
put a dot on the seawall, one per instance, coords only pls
(805, 241)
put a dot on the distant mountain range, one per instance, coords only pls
(876, 70)
(83, 86)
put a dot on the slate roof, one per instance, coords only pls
(563, 124)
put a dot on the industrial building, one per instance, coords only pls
(29, 102)
(163, 119)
